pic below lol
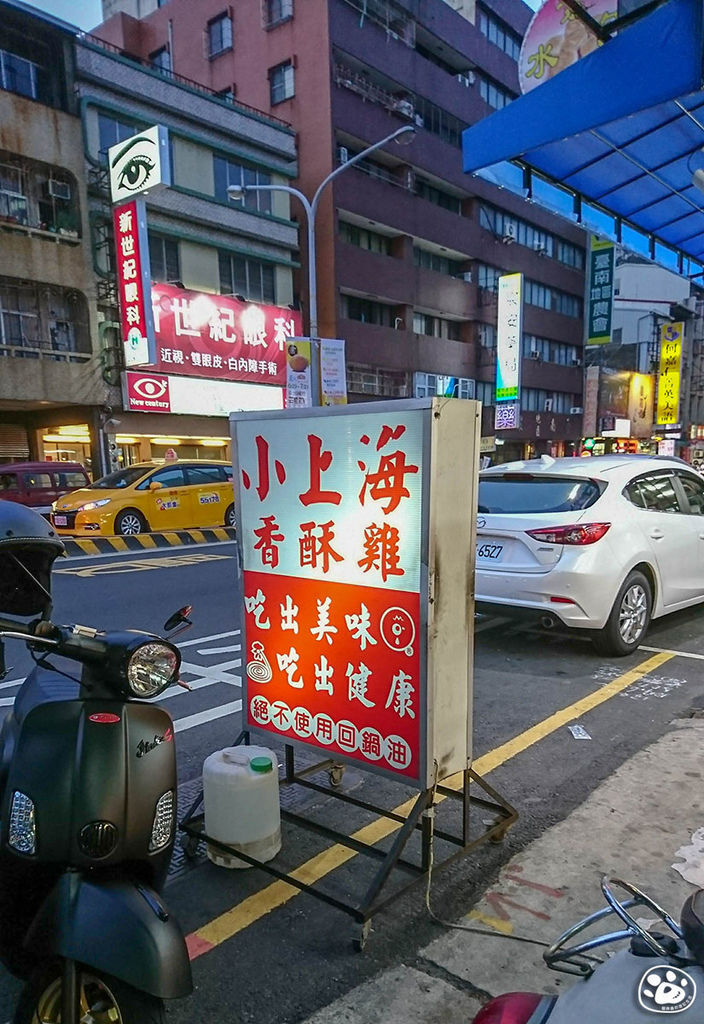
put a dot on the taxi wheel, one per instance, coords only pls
(230, 516)
(130, 521)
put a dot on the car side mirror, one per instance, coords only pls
(155, 485)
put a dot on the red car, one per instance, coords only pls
(38, 484)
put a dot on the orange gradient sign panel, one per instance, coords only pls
(330, 530)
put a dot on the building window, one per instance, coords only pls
(17, 74)
(506, 226)
(499, 33)
(374, 380)
(281, 83)
(276, 11)
(228, 95)
(440, 264)
(38, 195)
(488, 277)
(427, 385)
(111, 131)
(436, 327)
(551, 351)
(41, 320)
(367, 312)
(161, 60)
(229, 172)
(219, 34)
(494, 94)
(550, 298)
(252, 279)
(371, 240)
(438, 196)
(539, 400)
(485, 392)
(164, 263)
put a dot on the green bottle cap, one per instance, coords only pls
(261, 764)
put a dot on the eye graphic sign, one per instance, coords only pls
(356, 559)
(139, 164)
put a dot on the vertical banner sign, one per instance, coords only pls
(342, 519)
(591, 402)
(134, 283)
(601, 291)
(669, 373)
(333, 374)
(299, 388)
(509, 333)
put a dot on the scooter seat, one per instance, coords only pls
(692, 922)
(43, 687)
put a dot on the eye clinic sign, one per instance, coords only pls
(134, 283)
(139, 164)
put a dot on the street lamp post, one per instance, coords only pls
(236, 192)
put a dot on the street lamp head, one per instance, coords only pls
(236, 192)
(405, 135)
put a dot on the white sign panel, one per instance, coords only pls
(333, 372)
(139, 164)
(509, 332)
(160, 392)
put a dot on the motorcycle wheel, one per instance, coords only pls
(103, 1000)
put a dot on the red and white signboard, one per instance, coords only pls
(134, 282)
(160, 392)
(216, 336)
(334, 513)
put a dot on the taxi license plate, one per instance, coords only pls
(492, 551)
(60, 520)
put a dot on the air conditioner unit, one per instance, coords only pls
(576, 362)
(540, 249)
(343, 154)
(467, 79)
(405, 107)
(59, 189)
(509, 234)
(418, 118)
(576, 410)
(548, 405)
(534, 354)
(467, 276)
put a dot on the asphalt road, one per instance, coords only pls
(275, 959)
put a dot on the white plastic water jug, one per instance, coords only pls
(241, 797)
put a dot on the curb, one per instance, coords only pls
(147, 541)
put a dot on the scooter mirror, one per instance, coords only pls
(179, 618)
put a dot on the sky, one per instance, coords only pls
(87, 13)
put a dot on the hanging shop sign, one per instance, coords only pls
(556, 38)
(509, 331)
(601, 291)
(669, 373)
(140, 164)
(357, 562)
(134, 283)
(333, 372)
(203, 335)
(161, 392)
(299, 386)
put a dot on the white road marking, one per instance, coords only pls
(181, 724)
(206, 639)
(678, 654)
(221, 650)
(213, 672)
(11, 682)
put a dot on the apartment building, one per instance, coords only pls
(409, 248)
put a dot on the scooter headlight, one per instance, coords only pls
(23, 827)
(151, 668)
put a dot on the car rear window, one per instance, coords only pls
(516, 494)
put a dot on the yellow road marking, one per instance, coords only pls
(124, 565)
(263, 902)
(491, 922)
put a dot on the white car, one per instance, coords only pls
(603, 544)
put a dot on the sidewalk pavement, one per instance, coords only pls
(631, 827)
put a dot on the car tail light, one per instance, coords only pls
(514, 1008)
(587, 533)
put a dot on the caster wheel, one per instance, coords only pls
(189, 845)
(336, 775)
(498, 837)
(359, 941)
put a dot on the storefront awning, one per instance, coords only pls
(623, 127)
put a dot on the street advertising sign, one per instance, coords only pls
(556, 38)
(299, 386)
(134, 282)
(507, 416)
(217, 336)
(640, 404)
(601, 291)
(160, 392)
(669, 373)
(509, 332)
(140, 164)
(333, 372)
(356, 539)
(591, 401)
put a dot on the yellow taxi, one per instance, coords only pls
(147, 497)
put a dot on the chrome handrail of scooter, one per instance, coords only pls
(575, 959)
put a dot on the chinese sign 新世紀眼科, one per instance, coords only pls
(330, 518)
(133, 282)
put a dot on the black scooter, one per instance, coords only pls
(658, 973)
(87, 826)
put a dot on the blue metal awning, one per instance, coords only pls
(623, 127)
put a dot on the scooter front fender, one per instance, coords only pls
(116, 926)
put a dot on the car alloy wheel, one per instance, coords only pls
(633, 614)
(130, 523)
